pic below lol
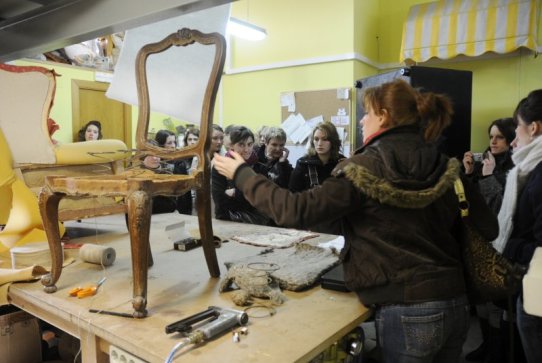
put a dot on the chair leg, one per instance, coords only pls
(203, 203)
(139, 219)
(151, 260)
(48, 205)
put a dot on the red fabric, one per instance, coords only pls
(368, 140)
(22, 69)
(52, 126)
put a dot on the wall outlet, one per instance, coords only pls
(117, 355)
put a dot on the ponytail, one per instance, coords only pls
(408, 106)
(435, 112)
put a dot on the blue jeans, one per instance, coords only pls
(432, 331)
(530, 331)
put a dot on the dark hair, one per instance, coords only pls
(240, 133)
(162, 136)
(83, 130)
(407, 106)
(333, 137)
(229, 129)
(217, 128)
(193, 131)
(506, 127)
(530, 108)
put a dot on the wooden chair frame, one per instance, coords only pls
(139, 186)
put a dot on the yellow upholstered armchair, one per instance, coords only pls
(26, 97)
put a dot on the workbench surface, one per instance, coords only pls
(179, 286)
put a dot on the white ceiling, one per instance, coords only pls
(30, 27)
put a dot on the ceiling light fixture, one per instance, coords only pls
(245, 30)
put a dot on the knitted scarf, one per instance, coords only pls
(525, 159)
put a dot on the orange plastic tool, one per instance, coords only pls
(81, 292)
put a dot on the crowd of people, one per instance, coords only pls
(394, 202)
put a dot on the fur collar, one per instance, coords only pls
(386, 193)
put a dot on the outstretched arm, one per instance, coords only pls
(334, 199)
(226, 165)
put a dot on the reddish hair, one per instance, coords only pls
(407, 106)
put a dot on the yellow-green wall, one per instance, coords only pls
(298, 31)
(371, 29)
(332, 43)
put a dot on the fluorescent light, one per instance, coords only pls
(245, 30)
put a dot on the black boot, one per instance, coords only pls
(511, 343)
(496, 349)
(480, 353)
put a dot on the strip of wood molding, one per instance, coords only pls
(310, 61)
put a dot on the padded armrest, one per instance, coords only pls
(90, 152)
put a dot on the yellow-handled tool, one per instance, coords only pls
(91, 290)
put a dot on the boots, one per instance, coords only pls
(480, 353)
(512, 349)
(496, 347)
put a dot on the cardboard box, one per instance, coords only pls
(20, 339)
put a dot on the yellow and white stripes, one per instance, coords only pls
(447, 28)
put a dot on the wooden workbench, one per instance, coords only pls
(179, 286)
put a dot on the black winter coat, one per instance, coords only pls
(399, 212)
(492, 186)
(527, 231)
(300, 179)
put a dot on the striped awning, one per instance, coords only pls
(447, 28)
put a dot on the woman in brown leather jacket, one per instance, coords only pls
(398, 210)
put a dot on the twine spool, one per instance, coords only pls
(97, 254)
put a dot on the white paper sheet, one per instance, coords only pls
(315, 121)
(301, 133)
(177, 77)
(287, 99)
(292, 123)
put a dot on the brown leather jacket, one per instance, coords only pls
(398, 210)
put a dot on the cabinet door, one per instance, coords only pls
(90, 103)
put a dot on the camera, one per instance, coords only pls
(477, 157)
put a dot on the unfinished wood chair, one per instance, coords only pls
(138, 186)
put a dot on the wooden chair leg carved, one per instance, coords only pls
(48, 204)
(203, 204)
(139, 220)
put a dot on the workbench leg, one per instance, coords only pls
(139, 220)
(90, 349)
(48, 205)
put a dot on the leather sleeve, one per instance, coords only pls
(335, 198)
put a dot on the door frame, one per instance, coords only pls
(77, 86)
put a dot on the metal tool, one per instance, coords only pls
(91, 290)
(218, 321)
(114, 313)
(205, 326)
